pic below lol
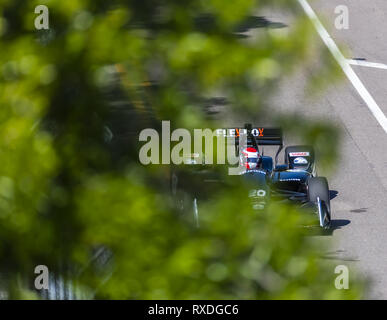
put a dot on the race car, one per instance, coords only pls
(295, 180)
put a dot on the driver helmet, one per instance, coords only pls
(250, 158)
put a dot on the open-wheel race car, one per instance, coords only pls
(294, 180)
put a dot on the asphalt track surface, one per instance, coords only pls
(359, 184)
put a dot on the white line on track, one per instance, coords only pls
(363, 63)
(351, 75)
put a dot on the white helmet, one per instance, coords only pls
(250, 158)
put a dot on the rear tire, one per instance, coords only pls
(318, 188)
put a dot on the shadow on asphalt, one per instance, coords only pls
(335, 225)
(339, 223)
(341, 255)
(254, 22)
(360, 210)
(333, 194)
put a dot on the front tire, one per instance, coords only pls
(318, 188)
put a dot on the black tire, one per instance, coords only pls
(318, 188)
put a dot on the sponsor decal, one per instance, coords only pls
(300, 160)
(291, 179)
(299, 154)
(255, 171)
(297, 170)
(256, 132)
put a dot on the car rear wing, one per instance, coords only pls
(258, 136)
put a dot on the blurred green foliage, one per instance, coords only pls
(73, 100)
